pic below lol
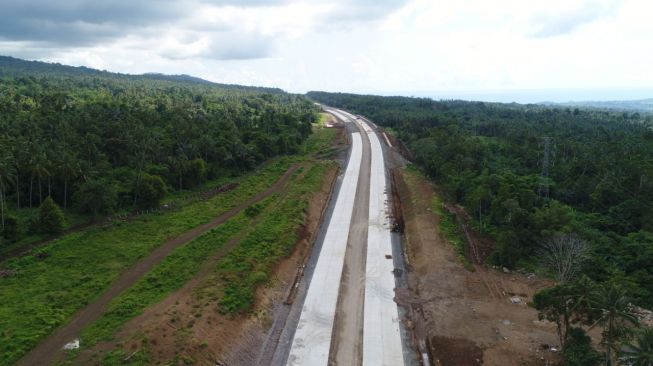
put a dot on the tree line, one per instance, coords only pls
(98, 142)
(530, 174)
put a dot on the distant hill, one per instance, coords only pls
(15, 67)
(182, 78)
(641, 105)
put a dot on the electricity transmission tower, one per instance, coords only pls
(543, 189)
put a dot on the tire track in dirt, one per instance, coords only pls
(49, 350)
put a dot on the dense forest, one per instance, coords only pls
(528, 173)
(96, 142)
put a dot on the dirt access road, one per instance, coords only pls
(50, 349)
(186, 327)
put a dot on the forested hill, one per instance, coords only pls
(489, 157)
(96, 142)
(14, 67)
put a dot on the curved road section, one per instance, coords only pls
(381, 339)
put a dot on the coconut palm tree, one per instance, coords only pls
(639, 353)
(69, 168)
(614, 315)
(7, 176)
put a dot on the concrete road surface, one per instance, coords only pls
(348, 315)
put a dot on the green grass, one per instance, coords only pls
(171, 274)
(321, 122)
(27, 215)
(234, 279)
(448, 228)
(320, 144)
(68, 273)
(71, 271)
(451, 231)
(250, 264)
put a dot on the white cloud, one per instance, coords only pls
(382, 46)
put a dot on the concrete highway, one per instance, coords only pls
(348, 315)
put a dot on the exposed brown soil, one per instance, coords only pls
(50, 348)
(186, 326)
(459, 351)
(462, 317)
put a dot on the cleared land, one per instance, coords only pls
(463, 317)
(66, 275)
(48, 349)
(195, 323)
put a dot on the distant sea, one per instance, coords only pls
(524, 96)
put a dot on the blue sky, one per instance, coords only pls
(412, 47)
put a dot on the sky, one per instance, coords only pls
(500, 50)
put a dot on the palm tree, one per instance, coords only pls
(641, 353)
(20, 154)
(69, 168)
(39, 170)
(614, 315)
(6, 177)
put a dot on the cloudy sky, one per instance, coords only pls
(373, 46)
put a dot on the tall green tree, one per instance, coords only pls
(565, 304)
(7, 176)
(615, 315)
(579, 350)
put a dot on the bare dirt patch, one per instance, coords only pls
(456, 351)
(187, 328)
(459, 316)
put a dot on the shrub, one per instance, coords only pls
(253, 210)
(579, 351)
(149, 190)
(10, 231)
(97, 196)
(195, 173)
(51, 220)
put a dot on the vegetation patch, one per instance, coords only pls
(252, 262)
(527, 174)
(171, 274)
(271, 228)
(448, 227)
(64, 276)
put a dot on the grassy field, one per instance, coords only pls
(69, 272)
(273, 231)
(27, 215)
(448, 228)
(168, 276)
(250, 264)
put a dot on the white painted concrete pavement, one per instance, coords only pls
(312, 338)
(381, 334)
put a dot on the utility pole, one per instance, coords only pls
(543, 189)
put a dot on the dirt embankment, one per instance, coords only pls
(462, 317)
